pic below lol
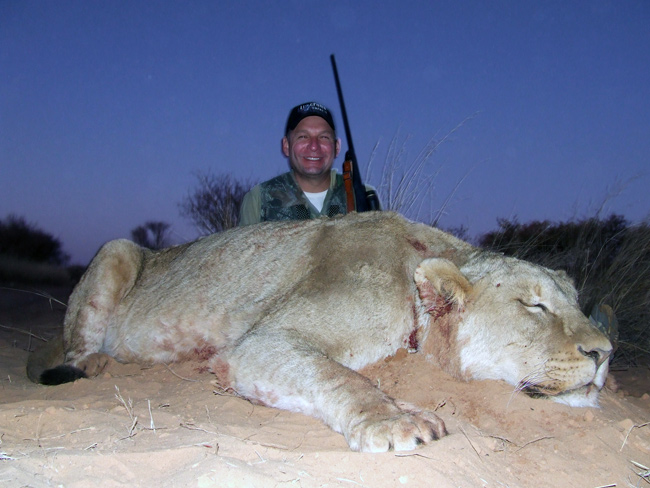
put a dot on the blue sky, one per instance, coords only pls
(109, 108)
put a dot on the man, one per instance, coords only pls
(312, 188)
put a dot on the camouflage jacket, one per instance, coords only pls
(281, 198)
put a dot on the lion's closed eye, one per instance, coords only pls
(534, 306)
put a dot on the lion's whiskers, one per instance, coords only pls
(531, 380)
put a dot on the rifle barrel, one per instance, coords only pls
(344, 114)
(359, 189)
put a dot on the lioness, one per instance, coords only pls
(286, 312)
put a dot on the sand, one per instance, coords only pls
(173, 426)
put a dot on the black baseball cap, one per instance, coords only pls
(308, 109)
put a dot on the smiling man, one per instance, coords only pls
(311, 189)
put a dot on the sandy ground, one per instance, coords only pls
(173, 426)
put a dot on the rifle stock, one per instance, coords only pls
(349, 186)
(357, 197)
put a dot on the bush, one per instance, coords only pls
(213, 206)
(25, 241)
(152, 235)
(608, 259)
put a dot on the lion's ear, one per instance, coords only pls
(565, 276)
(439, 279)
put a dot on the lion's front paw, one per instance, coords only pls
(403, 432)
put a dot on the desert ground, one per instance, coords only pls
(173, 425)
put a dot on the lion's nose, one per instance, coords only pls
(597, 354)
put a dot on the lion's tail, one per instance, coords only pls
(45, 365)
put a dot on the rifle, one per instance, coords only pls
(358, 198)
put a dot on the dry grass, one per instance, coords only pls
(405, 185)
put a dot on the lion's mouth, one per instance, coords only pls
(582, 396)
(540, 391)
(585, 394)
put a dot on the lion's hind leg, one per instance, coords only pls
(109, 278)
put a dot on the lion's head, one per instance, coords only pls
(513, 321)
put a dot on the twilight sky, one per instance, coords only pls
(109, 108)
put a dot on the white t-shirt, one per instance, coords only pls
(316, 199)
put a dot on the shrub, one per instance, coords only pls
(25, 241)
(213, 206)
(152, 235)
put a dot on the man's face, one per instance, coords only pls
(311, 148)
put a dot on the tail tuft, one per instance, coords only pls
(61, 374)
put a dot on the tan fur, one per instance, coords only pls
(286, 312)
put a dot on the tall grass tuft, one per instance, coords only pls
(405, 186)
(609, 261)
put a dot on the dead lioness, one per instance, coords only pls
(288, 311)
